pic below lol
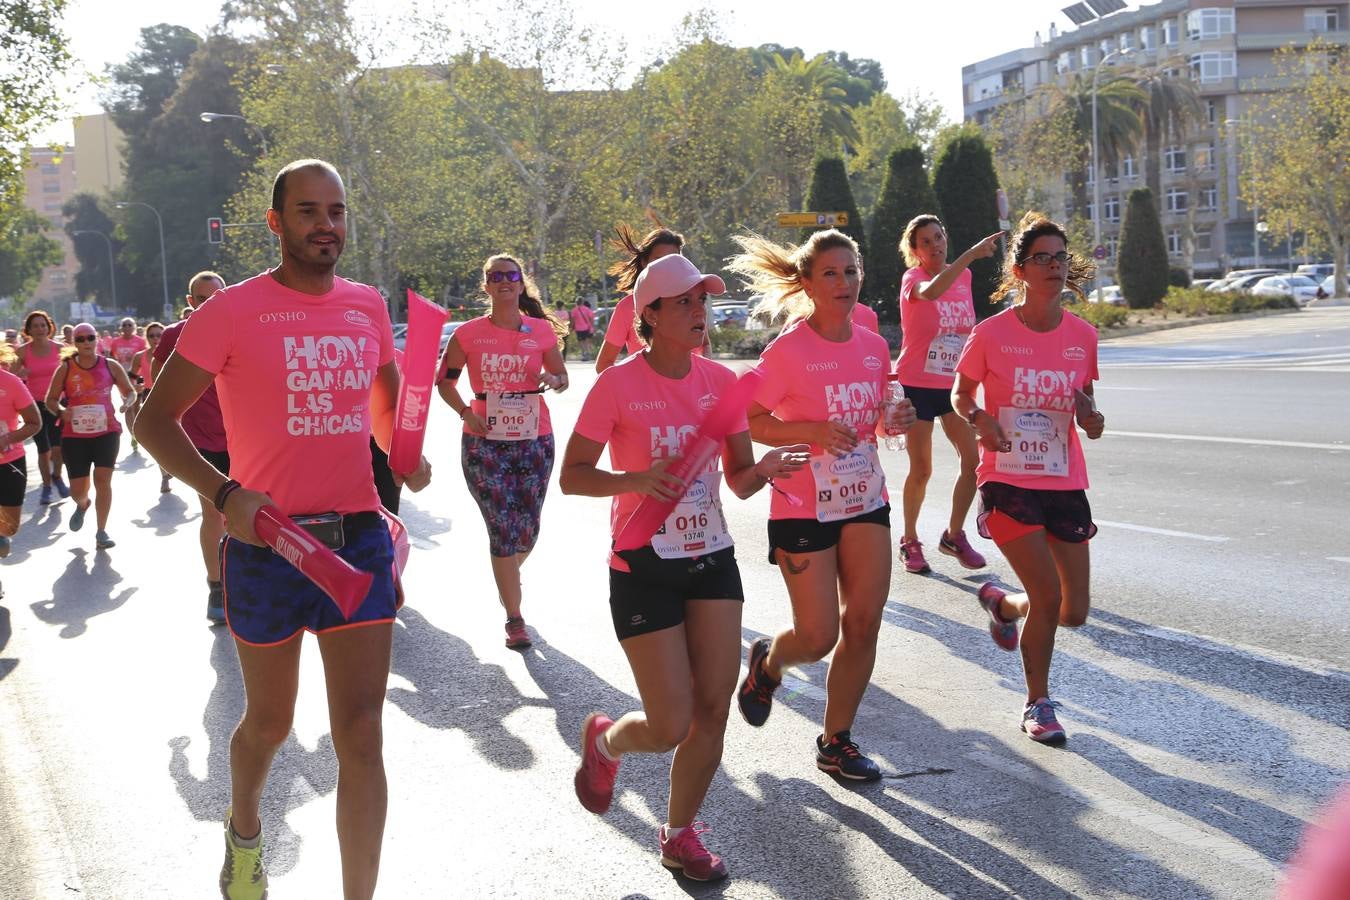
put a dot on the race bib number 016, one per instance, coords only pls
(943, 353)
(512, 417)
(849, 485)
(696, 527)
(1039, 439)
(88, 419)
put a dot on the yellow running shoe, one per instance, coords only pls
(243, 876)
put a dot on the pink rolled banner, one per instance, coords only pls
(419, 380)
(344, 584)
(706, 443)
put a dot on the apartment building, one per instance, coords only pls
(1225, 47)
(49, 181)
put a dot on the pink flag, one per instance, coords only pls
(419, 377)
(706, 443)
(345, 585)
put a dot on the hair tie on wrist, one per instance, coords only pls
(224, 492)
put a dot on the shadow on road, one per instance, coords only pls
(167, 515)
(297, 775)
(6, 632)
(423, 527)
(39, 532)
(82, 592)
(134, 461)
(435, 661)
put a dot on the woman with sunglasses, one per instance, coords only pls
(1036, 364)
(513, 354)
(937, 312)
(675, 602)
(829, 527)
(621, 334)
(90, 432)
(144, 379)
(39, 359)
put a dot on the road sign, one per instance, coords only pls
(813, 220)
(1001, 201)
(1099, 251)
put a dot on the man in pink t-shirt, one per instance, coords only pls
(303, 362)
(126, 344)
(206, 429)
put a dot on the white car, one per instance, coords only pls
(1110, 293)
(1300, 287)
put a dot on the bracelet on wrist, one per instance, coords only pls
(224, 492)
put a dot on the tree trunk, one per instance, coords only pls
(1153, 165)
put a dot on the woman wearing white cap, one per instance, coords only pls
(676, 602)
(829, 528)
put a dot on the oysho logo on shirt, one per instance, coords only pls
(1075, 353)
(646, 405)
(272, 318)
(821, 366)
(1015, 350)
(356, 317)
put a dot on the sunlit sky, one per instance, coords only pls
(921, 46)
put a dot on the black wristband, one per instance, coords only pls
(224, 492)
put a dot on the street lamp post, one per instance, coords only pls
(209, 117)
(112, 270)
(1096, 169)
(163, 257)
(1256, 210)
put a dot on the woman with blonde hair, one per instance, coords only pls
(937, 311)
(1036, 363)
(513, 354)
(829, 526)
(621, 335)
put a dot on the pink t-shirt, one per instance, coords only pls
(1025, 369)
(202, 421)
(621, 331)
(645, 417)
(89, 398)
(294, 374)
(40, 368)
(582, 317)
(927, 324)
(124, 349)
(810, 379)
(866, 316)
(14, 397)
(498, 359)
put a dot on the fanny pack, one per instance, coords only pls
(329, 528)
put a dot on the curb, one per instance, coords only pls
(1186, 323)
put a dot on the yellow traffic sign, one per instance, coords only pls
(813, 220)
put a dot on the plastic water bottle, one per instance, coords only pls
(895, 392)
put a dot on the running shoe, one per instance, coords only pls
(517, 638)
(685, 853)
(102, 541)
(960, 548)
(755, 697)
(243, 877)
(46, 498)
(77, 517)
(215, 603)
(595, 776)
(164, 486)
(840, 756)
(1002, 631)
(1040, 724)
(4, 546)
(61, 487)
(911, 554)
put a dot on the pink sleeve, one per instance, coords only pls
(386, 332)
(599, 413)
(207, 334)
(773, 387)
(21, 393)
(972, 362)
(616, 332)
(1093, 374)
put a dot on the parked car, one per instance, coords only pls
(730, 314)
(1316, 271)
(400, 334)
(1110, 293)
(1201, 284)
(448, 329)
(1327, 288)
(1244, 283)
(1300, 288)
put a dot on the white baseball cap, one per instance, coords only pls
(671, 276)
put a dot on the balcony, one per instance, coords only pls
(1276, 40)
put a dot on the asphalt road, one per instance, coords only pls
(1207, 699)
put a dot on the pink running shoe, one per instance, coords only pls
(1040, 724)
(911, 554)
(517, 638)
(685, 852)
(595, 776)
(960, 548)
(1001, 630)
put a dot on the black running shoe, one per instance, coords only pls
(755, 698)
(840, 756)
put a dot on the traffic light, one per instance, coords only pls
(215, 230)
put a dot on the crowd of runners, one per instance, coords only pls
(299, 351)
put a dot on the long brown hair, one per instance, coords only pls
(775, 271)
(529, 302)
(1035, 225)
(637, 253)
(907, 239)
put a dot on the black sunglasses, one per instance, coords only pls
(86, 339)
(497, 277)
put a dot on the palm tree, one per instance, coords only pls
(1170, 104)
(824, 83)
(1118, 123)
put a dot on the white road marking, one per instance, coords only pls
(1165, 532)
(1176, 831)
(1246, 651)
(1213, 439)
